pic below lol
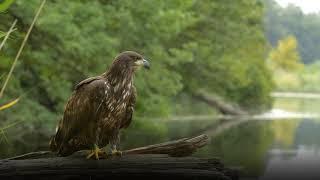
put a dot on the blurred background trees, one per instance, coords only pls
(282, 22)
(293, 35)
(286, 56)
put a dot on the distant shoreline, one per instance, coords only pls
(309, 95)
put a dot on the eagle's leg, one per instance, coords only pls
(96, 152)
(114, 142)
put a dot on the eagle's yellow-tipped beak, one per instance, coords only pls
(143, 62)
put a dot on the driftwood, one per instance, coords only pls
(217, 103)
(156, 161)
(177, 148)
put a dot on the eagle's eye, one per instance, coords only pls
(133, 59)
(140, 61)
(136, 58)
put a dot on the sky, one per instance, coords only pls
(307, 6)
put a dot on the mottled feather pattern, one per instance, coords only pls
(96, 111)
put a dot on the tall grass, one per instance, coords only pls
(11, 103)
(21, 47)
(7, 34)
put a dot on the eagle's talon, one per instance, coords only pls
(95, 153)
(116, 153)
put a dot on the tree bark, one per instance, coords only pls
(157, 161)
(141, 166)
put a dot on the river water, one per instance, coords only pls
(281, 144)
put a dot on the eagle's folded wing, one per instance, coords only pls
(130, 108)
(79, 116)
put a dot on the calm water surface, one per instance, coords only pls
(286, 146)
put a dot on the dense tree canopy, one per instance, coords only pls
(228, 41)
(217, 46)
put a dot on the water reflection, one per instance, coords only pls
(301, 163)
(245, 145)
(308, 133)
(265, 146)
(256, 145)
(279, 148)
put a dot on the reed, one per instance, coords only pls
(15, 101)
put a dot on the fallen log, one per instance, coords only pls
(142, 166)
(216, 102)
(157, 161)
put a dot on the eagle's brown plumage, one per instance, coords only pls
(99, 107)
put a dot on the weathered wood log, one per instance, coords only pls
(177, 148)
(216, 102)
(141, 166)
(154, 161)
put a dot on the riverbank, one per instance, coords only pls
(306, 95)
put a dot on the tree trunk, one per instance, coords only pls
(217, 103)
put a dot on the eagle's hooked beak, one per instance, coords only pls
(143, 62)
(146, 64)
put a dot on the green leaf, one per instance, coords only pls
(2, 34)
(4, 4)
(5, 106)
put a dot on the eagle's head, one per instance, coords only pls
(124, 66)
(130, 61)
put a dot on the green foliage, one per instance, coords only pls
(5, 4)
(2, 34)
(220, 48)
(192, 45)
(282, 22)
(284, 61)
(310, 77)
(289, 73)
(285, 56)
(304, 80)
